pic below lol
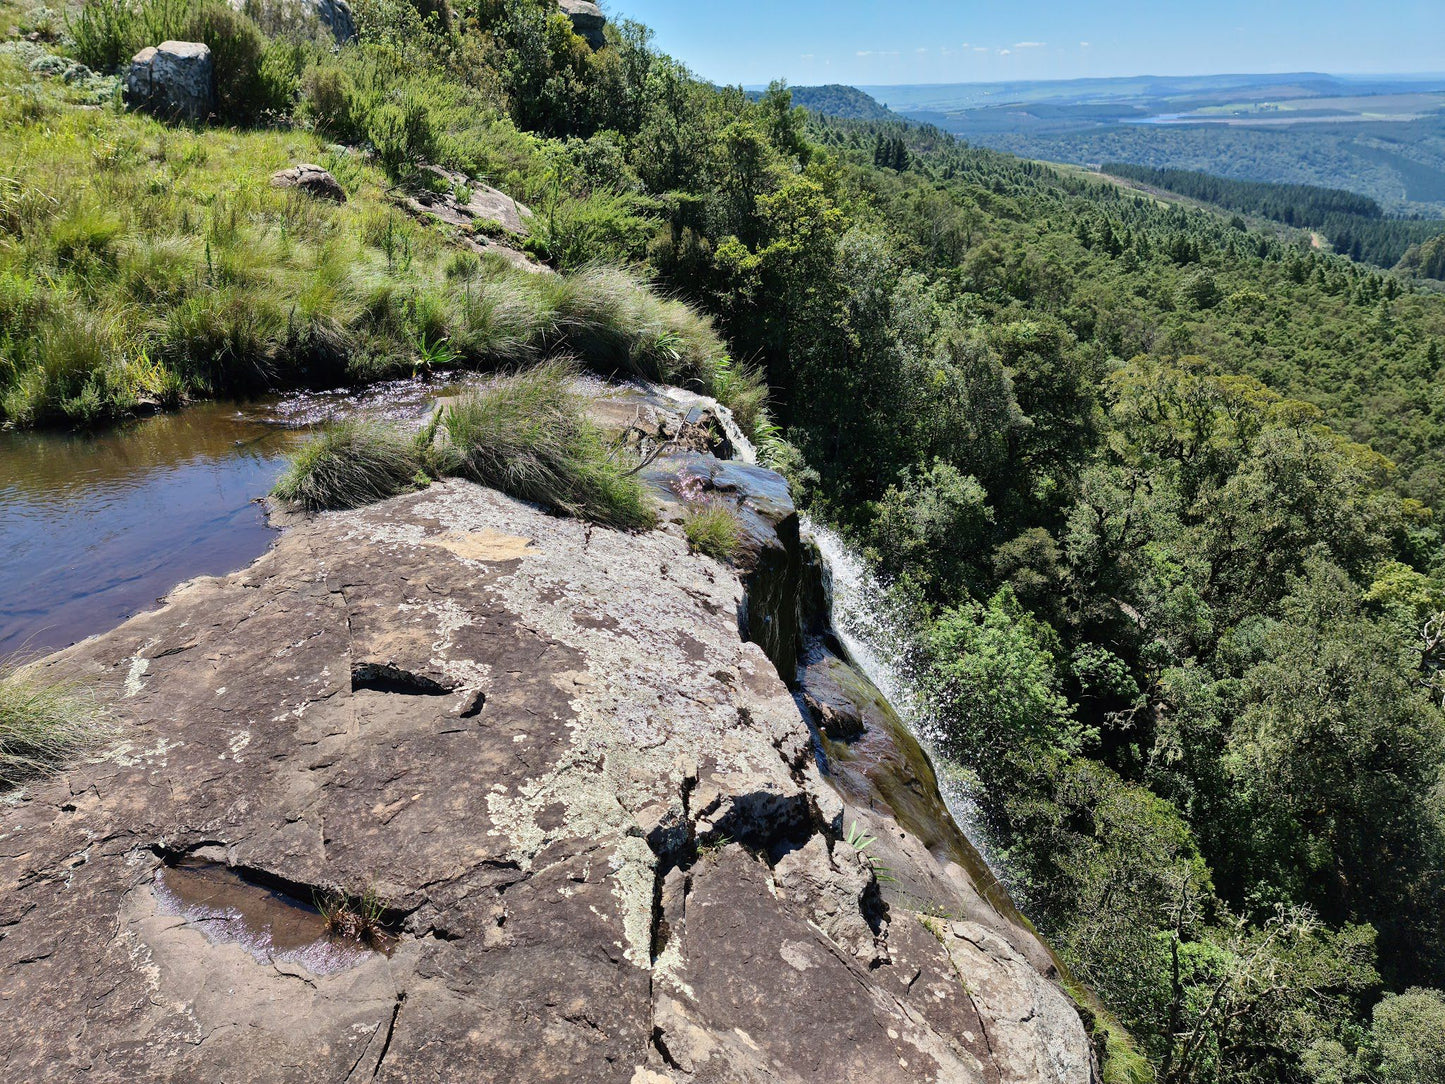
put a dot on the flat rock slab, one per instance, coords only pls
(592, 810)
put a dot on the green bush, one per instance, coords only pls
(107, 33)
(352, 463)
(526, 435)
(41, 725)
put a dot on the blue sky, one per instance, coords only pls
(929, 41)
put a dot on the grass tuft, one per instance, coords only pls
(352, 463)
(356, 918)
(714, 530)
(527, 436)
(42, 724)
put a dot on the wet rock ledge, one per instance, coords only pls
(591, 831)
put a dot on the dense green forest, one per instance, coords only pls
(1400, 164)
(1293, 204)
(1156, 492)
(1354, 225)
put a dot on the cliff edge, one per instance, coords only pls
(451, 789)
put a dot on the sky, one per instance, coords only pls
(891, 42)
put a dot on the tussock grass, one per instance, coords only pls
(42, 724)
(527, 436)
(714, 530)
(143, 264)
(352, 463)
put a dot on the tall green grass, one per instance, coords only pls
(527, 436)
(42, 724)
(714, 530)
(142, 265)
(352, 463)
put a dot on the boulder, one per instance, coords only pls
(335, 15)
(587, 20)
(311, 179)
(174, 80)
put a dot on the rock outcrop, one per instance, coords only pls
(335, 16)
(312, 179)
(486, 219)
(602, 839)
(174, 80)
(587, 21)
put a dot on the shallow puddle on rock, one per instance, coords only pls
(269, 924)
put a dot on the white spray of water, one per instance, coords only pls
(876, 635)
(743, 449)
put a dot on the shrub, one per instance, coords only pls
(41, 724)
(714, 530)
(526, 435)
(350, 464)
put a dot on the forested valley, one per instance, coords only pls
(1355, 225)
(1156, 492)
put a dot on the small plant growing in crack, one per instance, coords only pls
(355, 918)
(860, 841)
(713, 847)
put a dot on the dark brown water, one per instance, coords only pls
(96, 527)
(269, 924)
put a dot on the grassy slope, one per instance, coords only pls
(142, 264)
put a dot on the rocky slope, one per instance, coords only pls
(597, 835)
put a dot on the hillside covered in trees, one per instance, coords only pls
(1355, 225)
(1157, 495)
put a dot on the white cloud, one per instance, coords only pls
(920, 51)
(1005, 52)
(980, 48)
(865, 52)
(808, 56)
(1083, 45)
(1029, 44)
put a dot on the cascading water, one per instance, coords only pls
(875, 634)
(743, 449)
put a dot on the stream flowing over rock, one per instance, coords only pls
(601, 789)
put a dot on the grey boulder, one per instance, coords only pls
(335, 15)
(311, 179)
(173, 80)
(587, 20)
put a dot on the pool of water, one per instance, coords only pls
(96, 527)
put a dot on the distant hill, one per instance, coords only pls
(1382, 136)
(836, 100)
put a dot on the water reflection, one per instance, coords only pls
(96, 527)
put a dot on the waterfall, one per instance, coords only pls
(743, 449)
(876, 635)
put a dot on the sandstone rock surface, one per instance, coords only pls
(475, 210)
(173, 80)
(311, 179)
(608, 844)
